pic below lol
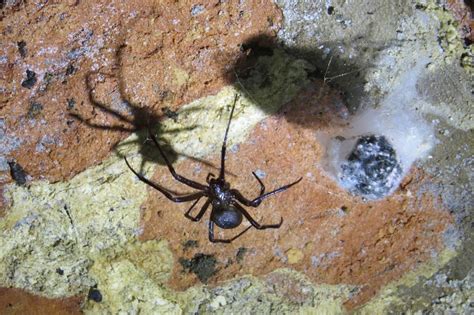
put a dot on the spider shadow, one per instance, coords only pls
(127, 117)
(255, 73)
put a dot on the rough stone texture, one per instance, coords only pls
(66, 226)
(364, 48)
(118, 65)
(137, 59)
(459, 297)
(282, 291)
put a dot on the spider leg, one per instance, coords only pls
(255, 224)
(262, 186)
(163, 190)
(201, 212)
(214, 240)
(178, 177)
(222, 171)
(256, 202)
(209, 177)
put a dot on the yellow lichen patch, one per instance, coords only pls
(53, 232)
(284, 291)
(180, 77)
(450, 38)
(294, 255)
(130, 280)
(467, 60)
(152, 257)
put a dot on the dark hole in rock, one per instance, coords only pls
(34, 110)
(240, 254)
(170, 114)
(190, 244)
(30, 80)
(94, 295)
(70, 69)
(71, 103)
(22, 48)
(17, 173)
(202, 265)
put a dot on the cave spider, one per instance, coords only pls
(227, 211)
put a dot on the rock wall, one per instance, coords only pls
(82, 81)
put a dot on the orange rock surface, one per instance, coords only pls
(17, 302)
(115, 64)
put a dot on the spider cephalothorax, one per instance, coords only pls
(227, 211)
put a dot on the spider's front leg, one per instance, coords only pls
(257, 201)
(165, 191)
(262, 186)
(209, 176)
(176, 176)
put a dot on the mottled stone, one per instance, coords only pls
(77, 77)
(122, 63)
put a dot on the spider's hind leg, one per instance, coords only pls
(216, 240)
(201, 212)
(255, 224)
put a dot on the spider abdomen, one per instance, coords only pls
(226, 217)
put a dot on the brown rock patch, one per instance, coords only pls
(134, 59)
(15, 301)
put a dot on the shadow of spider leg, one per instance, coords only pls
(131, 118)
